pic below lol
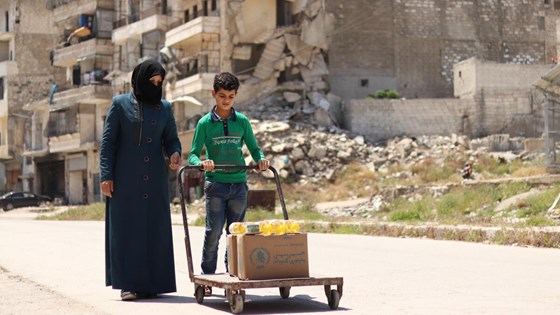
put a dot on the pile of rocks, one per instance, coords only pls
(314, 153)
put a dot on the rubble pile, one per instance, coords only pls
(304, 150)
(315, 153)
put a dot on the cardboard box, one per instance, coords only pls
(272, 257)
(232, 254)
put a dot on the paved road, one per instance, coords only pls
(381, 275)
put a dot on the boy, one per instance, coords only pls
(223, 131)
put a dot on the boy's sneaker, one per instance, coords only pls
(128, 296)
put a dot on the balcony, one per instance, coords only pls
(89, 94)
(6, 36)
(5, 153)
(35, 151)
(76, 8)
(192, 31)
(71, 130)
(73, 142)
(7, 69)
(191, 85)
(145, 25)
(68, 56)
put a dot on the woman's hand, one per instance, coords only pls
(175, 161)
(107, 188)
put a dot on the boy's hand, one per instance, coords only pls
(208, 165)
(263, 165)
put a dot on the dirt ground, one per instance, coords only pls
(22, 296)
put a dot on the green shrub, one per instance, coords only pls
(385, 94)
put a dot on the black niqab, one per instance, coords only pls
(144, 90)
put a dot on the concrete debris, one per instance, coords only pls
(317, 31)
(298, 6)
(242, 52)
(291, 97)
(301, 51)
(291, 53)
(312, 152)
(315, 76)
(272, 52)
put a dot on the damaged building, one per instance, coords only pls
(67, 125)
(25, 76)
(316, 59)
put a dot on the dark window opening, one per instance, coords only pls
(7, 21)
(205, 8)
(284, 13)
(1, 88)
(245, 66)
(364, 82)
(187, 16)
(214, 5)
(460, 74)
(195, 12)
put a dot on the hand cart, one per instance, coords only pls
(235, 287)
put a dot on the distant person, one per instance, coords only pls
(134, 177)
(223, 131)
(467, 171)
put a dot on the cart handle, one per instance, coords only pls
(218, 167)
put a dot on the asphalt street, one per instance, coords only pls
(381, 275)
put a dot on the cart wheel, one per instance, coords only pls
(285, 292)
(199, 294)
(334, 299)
(236, 304)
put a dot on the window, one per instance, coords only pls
(187, 16)
(1, 88)
(214, 5)
(205, 8)
(195, 12)
(283, 13)
(364, 82)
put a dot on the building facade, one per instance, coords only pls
(25, 76)
(411, 45)
(66, 127)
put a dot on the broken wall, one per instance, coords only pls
(494, 110)
(384, 119)
(289, 53)
(507, 111)
(473, 75)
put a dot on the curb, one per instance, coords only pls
(548, 237)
